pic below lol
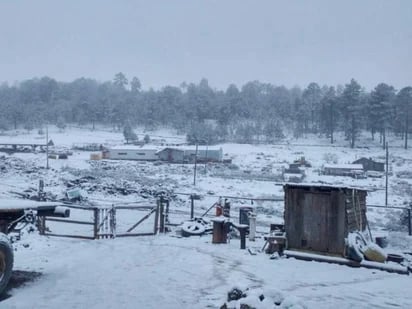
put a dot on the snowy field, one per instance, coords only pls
(167, 271)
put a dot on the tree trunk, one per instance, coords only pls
(353, 132)
(331, 124)
(406, 129)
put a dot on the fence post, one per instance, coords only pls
(96, 223)
(409, 222)
(192, 206)
(167, 211)
(156, 217)
(162, 216)
(41, 223)
(113, 222)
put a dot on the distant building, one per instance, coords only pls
(342, 169)
(168, 154)
(370, 165)
(131, 153)
(171, 155)
(294, 173)
(204, 155)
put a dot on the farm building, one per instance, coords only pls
(172, 155)
(370, 165)
(318, 218)
(131, 153)
(169, 154)
(204, 155)
(342, 169)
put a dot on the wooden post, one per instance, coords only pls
(161, 216)
(156, 217)
(192, 206)
(102, 225)
(409, 222)
(96, 223)
(41, 221)
(252, 226)
(242, 231)
(167, 212)
(113, 222)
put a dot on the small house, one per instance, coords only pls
(342, 169)
(318, 218)
(370, 165)
(171, 155)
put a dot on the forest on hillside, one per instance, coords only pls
(254, 113)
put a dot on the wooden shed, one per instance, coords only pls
(319, 217)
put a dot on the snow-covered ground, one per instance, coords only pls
(166, 271)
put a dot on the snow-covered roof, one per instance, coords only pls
(321, 185)
(133, 148)
(345, 166)
(16, 204)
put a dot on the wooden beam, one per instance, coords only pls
(135, 234)
(69, 236)
(343, 261)
(69, 221)
(141, 220)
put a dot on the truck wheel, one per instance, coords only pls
(6, 261)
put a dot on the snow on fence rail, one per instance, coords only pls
(107, 222)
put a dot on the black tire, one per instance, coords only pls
(6, 262)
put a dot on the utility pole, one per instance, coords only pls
(207, 146)
(47, 146)
(387, 174)
(194, 172)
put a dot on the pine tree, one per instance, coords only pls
(352, 110)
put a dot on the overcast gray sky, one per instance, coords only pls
(286, 42)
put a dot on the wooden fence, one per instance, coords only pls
(105, 221)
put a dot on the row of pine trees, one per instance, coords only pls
(255, 112)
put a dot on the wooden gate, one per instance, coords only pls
(107, 222)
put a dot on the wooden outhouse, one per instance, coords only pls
(319, 217)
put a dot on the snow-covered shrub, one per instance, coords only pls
(397, 221)
(330, 158)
